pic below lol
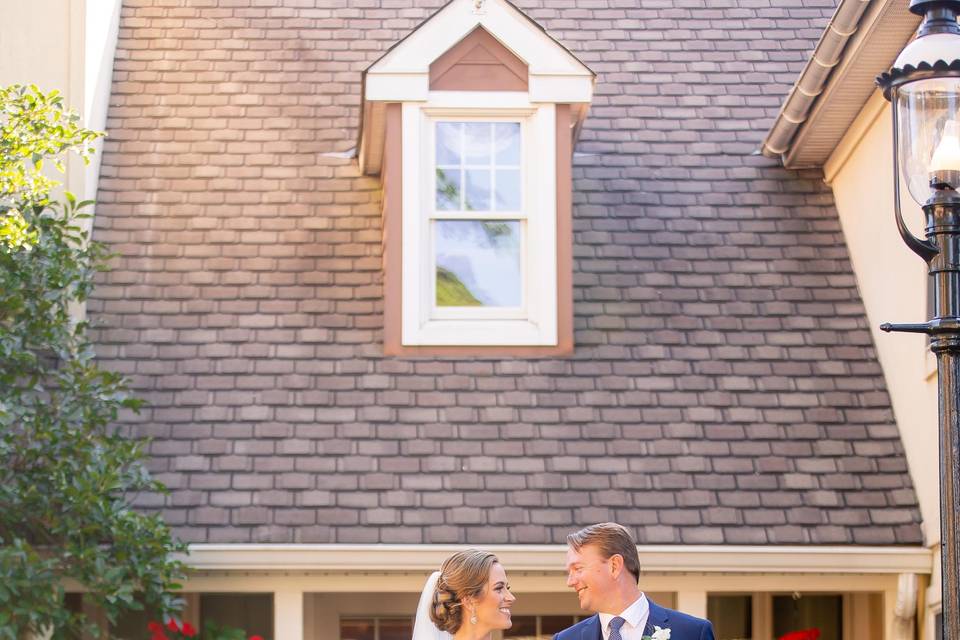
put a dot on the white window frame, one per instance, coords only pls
(537, 324)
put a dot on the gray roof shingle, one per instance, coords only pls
(724, 387)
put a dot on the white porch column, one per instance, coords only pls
(288, 615)
(693, 603)
(191, 609)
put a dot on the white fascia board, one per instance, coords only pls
(552, 558)
(561, 89)
(401, 87)
(452, 23)
(481, 101)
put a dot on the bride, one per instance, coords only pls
(467, 599)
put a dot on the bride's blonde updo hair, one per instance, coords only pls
(463, 575)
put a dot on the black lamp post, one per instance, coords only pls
(924, 89)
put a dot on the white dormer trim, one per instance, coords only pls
(402, 74)
(476, 62)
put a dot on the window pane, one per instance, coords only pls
(478, 263)
(477, 143)
(550, 625)
(477, 190)
(253, 613)
(523, 627)
(448, 143)
(478, 166)
(824, 613)
(132, 625)
(448, 189)
(357, 630)
(506, 143)
(508, 190)
(731, 617)
(395, 628)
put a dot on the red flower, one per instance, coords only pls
(172, 625)
(159, 635)
(256, 638)
(154, 627)
(805, 634)
(188, 630)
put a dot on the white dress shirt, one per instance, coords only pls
(636, 620)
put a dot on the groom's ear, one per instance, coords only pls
(616, 565)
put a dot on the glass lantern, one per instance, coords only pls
(928, 132)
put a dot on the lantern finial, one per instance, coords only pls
(939, 16)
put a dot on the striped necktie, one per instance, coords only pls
(615, 625)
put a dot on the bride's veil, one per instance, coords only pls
(423, 627)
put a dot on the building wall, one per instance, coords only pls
(56, 25)
(78, 40)
(892, 283)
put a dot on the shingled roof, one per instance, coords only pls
(724, 387)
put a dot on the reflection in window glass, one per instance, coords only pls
(476, 142)
(550, 625)
(449, 143)
(394, 629)
(523, 627)
(358, 630)
(508, 190)
(478, 263)
(477, 189)
(506, 143)
(794, 615)
(478, 166)
(448, 189)
(732, 616)
(538, 627)
(251, 612)
(376, 628)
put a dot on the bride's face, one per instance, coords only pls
(493, 606)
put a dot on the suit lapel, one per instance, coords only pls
(591, 630)
(658, 617)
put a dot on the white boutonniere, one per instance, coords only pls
(658, 634)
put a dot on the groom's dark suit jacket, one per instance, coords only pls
(682, 626)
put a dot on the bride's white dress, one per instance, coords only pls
(423, 627)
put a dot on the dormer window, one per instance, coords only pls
(473, 140)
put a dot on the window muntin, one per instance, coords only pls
(478, 165)
(477, 222)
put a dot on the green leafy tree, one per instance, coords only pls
(67, 477)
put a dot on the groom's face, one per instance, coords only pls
(592, 577)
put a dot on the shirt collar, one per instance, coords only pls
(634, 614)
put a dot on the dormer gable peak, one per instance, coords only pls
(521, 35)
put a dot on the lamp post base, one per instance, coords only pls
(948, 370)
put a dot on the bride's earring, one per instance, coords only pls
(473, 616)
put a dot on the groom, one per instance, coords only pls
(603, 568)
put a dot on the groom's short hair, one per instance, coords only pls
(611, 539)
